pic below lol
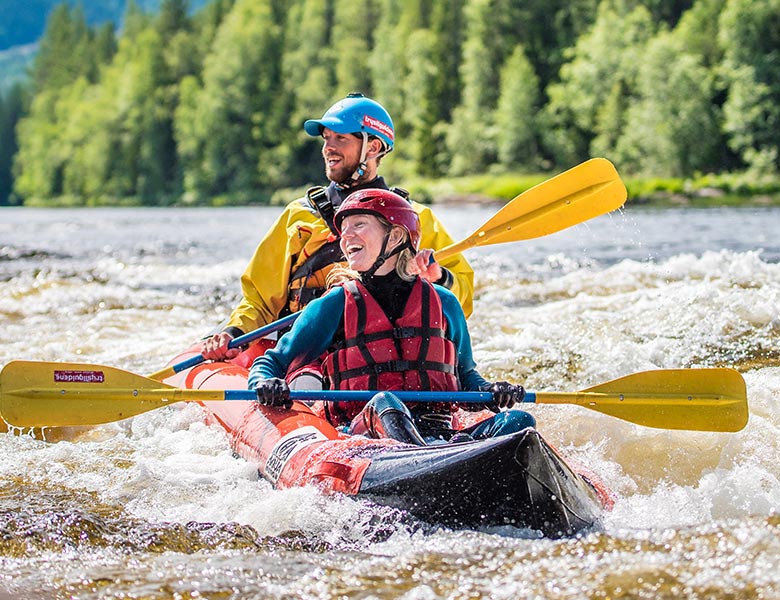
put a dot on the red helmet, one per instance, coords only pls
(384, 203)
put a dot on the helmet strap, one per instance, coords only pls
(383, 255)
(362, 166)
(360, 171)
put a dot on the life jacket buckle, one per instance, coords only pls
(318, 200)
(401, 333)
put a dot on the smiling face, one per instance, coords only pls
(362, 236)
(341, 153)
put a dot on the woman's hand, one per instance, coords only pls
(273, 392)
(506, 395)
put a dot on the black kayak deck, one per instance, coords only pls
(516, 480)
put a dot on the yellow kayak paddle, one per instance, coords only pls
(583, 192)
(45, 394)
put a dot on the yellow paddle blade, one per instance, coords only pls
(691, 399)
(43, 394)
(588, 190)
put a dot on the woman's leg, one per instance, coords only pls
(503, 423)
(385, 416)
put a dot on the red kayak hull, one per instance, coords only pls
(517, 480)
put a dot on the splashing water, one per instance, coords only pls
(157, 507)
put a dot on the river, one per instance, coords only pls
(157, 507)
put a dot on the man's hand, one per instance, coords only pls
(425, 266)
(216, 347)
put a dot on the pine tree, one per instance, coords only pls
(173, 18)
(351, 40)
(63, 53)
(515, 118)
(469, 141)
(447, 25)
(419, 90)
(11, 110)
(388, 61)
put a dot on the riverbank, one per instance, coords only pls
(730, 189)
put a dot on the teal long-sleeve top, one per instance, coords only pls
(321, 321)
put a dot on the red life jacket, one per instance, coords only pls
(413, 353)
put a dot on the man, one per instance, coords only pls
(290, 265)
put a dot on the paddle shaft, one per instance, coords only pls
(579, 398)
(172, 395)
(234, 343)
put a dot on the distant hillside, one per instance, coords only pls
(22, 23)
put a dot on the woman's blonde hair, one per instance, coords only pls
(340, 273)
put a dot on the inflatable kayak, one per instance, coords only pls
(516, 480)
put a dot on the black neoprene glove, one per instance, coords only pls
(273, 392)
(505, 394)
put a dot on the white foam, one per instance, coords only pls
(562, 320)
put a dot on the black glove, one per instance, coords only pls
(505, 395)
(273, 392)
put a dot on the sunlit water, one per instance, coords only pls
(157, 507)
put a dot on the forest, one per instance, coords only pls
(206, 106)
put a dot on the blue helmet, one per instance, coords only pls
(355, 114)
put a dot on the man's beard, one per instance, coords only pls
(343, 173)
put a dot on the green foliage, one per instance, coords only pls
(226, 127)
(750, 38)
(698, 29)
(173, 18)
(478, 188)
(207, 107)
(651, 186)
(703, 190)
(354, 42)
(672, 127)
(469, 141)
(503, 187)
(598, 83)
(66, 51)
(306, 88)
(447, 25)
(420, 94)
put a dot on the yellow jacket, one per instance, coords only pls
(297, 234)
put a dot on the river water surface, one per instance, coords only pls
(157, 507)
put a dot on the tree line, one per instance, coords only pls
(208, 107)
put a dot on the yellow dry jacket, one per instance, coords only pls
(295, 236)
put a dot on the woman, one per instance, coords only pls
(383, 327)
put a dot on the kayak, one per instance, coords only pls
(517, 480)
